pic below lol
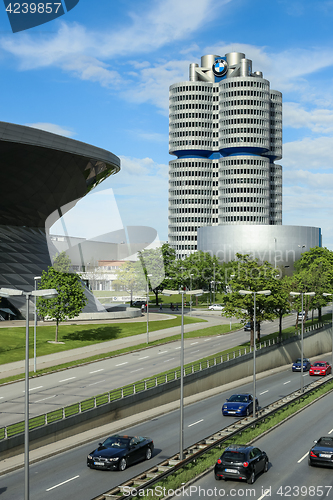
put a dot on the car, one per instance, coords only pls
(320, 368)
(322, 452)
(240, 461)
(247, 327)
(139, 303)
(302, 316)
(239, 405)
(119, 451)
(297, 365)
(216, 307)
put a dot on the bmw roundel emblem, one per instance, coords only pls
(220, 67)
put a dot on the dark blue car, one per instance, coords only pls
(239, 405)
(296, 367)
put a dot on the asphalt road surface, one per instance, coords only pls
(289, 475)
(67, 476)
(55, 390)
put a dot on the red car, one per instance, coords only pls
(320, 368)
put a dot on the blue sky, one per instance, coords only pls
(101, 73)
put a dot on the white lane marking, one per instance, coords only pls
(60, 484)
(165, 361)
(177, 347)
(194, 423)
(263, 392)
(304, 456)
(44, 399)
(121, 364)
(1, 397)
(136, 370)
(195, 351)
(96, 371)
(144, 357)
(99, 382)
(267, 492)
(65, 379)
(288, 382)
(162, 352)
(206, 340)
(193, 343)
(34, 388)
(329, 432)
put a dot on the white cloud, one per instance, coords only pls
(317, 120)
(52, 127)
(76, 49)
(308, 154)
(313, 181)
(153, 83)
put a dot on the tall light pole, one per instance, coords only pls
(148, 276)
(46, 294)
(248, 292)
(294, 294)
(327, 295)
(191, 291)
(214, 285)
(181, 433)
(36, 278)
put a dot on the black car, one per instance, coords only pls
(247, 326)
(117, 452)
(322, 452)
(240, 461)
(139, 303)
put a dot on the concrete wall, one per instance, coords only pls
(315, 343)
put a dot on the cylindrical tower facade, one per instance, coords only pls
(226, 132)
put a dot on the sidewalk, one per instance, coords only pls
(47, 361)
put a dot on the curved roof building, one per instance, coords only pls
(41, 173)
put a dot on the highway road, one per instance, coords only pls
(66, 475)
(289, 475)
(55, 390)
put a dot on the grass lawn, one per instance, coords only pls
(12, 340)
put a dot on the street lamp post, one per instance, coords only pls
(214, 285)
(294, 294)
(148, 276)
(191, 291)
(36, 278)
(248, 292)
(181, 434)
(327, 295)
(46, 294)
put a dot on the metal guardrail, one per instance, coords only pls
(171, 465)
(138, 387)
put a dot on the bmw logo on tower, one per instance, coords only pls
(220, 67)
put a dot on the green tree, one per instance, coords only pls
(70, 300)
(314, 273)
(159, 263)
(62, 262)
(248, 274)
(131, 278)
